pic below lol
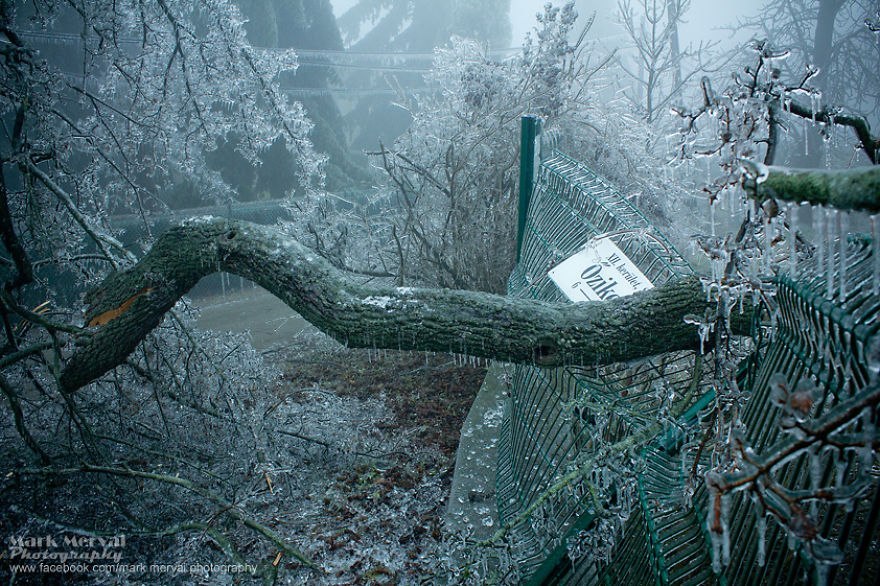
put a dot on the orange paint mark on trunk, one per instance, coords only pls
(110, 315)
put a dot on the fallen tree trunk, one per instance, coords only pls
(129, 304)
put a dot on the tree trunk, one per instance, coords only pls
(129, 304)
(673, 15)
(823, 43)
(823, 40)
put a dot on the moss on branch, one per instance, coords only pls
(851, 189)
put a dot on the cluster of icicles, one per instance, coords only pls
(817, 250)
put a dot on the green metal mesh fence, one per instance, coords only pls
(825, 338)
(557, 417)
(553, 413)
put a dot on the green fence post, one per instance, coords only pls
(530, 129)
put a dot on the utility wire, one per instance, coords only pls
(74, 38)
(316, 91)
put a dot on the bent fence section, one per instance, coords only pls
(559, 421)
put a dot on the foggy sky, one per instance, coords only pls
(703, 19)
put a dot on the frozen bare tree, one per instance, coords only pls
(453, 176)
(454, 172)
(740, 129)
(111, 108)
(443, 213)
(659, 68)
(832, 44)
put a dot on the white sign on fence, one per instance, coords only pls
(598, 271)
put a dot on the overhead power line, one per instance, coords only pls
(74, 38)
(317, 91)
(378, 61)
(343, 92)
(391, 68)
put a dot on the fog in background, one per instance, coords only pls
(708, 33)
(706, 20)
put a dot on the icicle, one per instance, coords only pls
(866, 451)
(725, 529)
(822, 571)
(829, 266)
(717, 521)
(768, 243)
(712, 216)
(875, 255)
(792, 216)
(819, 237)
(716, 551)
(762, 539)
(704, 331)
(826, 147)
(842, 227)
(806, 139)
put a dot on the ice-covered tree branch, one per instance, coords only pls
(869, 143)
(225, 506)
(129, 304)
(852, 189)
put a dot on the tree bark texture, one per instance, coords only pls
(129, 304)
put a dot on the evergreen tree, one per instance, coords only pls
(413, 26)
(294, 24)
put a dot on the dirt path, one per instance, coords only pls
(252, 309)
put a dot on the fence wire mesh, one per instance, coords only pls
(822, 334)
(553, 414)
(556, 419)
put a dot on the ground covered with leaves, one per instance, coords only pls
(347, 457)
(379, 520)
